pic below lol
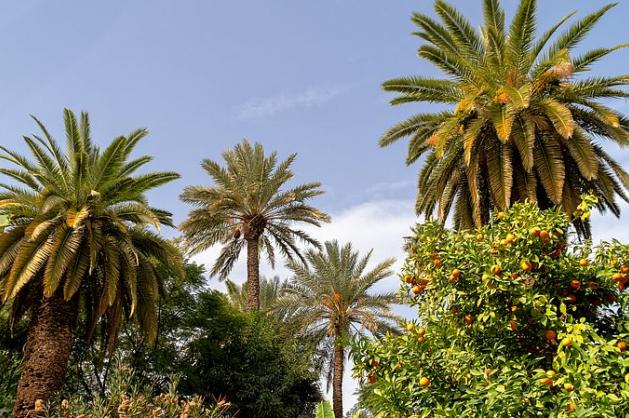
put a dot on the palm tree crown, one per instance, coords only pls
(247, 205)
(270, 290)
(524, 122)
(330, 301)
(78, 227)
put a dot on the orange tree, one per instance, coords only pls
(514, 320)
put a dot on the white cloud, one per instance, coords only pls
(260, 108)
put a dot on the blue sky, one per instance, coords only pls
(296, 75)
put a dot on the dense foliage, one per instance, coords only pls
(515, 319)
(523, 120)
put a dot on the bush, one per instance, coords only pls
(514, 320)
(126, 401)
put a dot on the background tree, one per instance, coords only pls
(270, 290)
(247, 205)
(77, 244)
(525, 118)
(329, 302)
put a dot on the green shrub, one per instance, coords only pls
(514, 320)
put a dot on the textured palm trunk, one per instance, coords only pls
(253, 275)
(46, 353)
(337, 383)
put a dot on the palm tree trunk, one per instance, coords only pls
(253, 275)
(46, 353)
(337, 383)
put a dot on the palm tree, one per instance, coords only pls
(270, 290)
(247, 205)
(330, 302)
(525, 120)
(78, 243)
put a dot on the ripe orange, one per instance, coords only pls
(575, 284)
(510, 238)
(408, 278)
(501, 215)
(513, 325)
(456, 273)
(421, 339)
(424, 382)
(617, 277)
(567, 342)
(622, 346)
(551, 335)
(544, 236)
(569, 387)
(514, 308)
(535, 231)
(621, 286)
(496, 270)
(421, 331)
(624, 269)
(551, 373)
(437, 262)
(479, 237)
(526, 265)
(570, 407)
(583, 262)
(410, 327)
(454, 309)
(417, 290)
(469, 319)
(547, 381)
(452, 279)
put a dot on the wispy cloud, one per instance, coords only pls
(260, 108)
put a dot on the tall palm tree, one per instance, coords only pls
(270, 290)
(78, 243)
(524, 121)
(330, 301)
(247, 205)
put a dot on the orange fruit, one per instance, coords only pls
(410, 327)
(622, 346)
(417, 290)
(408, 278)
(371, 379)
(592, 284)
(437, 262)
(569, 387)
(479, 237)
(374, 363)
(551, 335)
(496, 270)
(551, 373)
(567, 342)
(535, 231)
(617, 277)
(514, 275)
(544, 236)
(583, 262)
(526, 265)
(469, 319)
(513, 325)
(570, 407)
(571, 298)
(421, 331)
(575, 284)
(424, 382)
(452, 279)
(501, 215)
(456, 273)
(624, 269)
(620, 286)
(421, 339)
(510, 238)
(547, 381)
